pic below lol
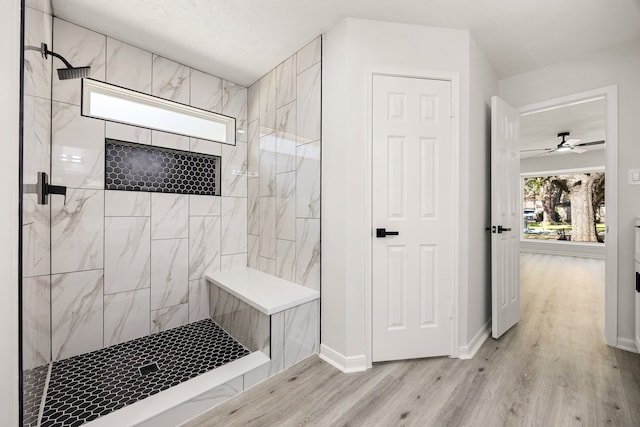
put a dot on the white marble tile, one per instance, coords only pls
(198, 300)
(169, 318)
(233, 262)
(286, 206)
(126, 316)
(267, 265)
(41, 5)
(127, 203)
(169, 272)
(308, 253)
(286, 82)
(77, 148)
(256, 376)
(243, 322)
(36, 245)
(206, 91)
(170, 80)
(309, 55)
(300, 333)
(204, 205)
(127, 254)
(286, 138)
(253, 201)
(81, 47)
(308, 100)
(128, 66)
(180, 414)
(268, 165)
(268, 227)
(76, 313)
(234, 170)
(37, 70)
(253, 249)
(308, 180)
(77, 231)
(234, 104)
(253, 150)
(170, 140)
(169, 216)
(206, 147)
(277, 343)
(253, 102)
(268, 103)
(36, 138)
(286, 260)
(234, 225)
(127, 133)
(204, 246)
(36, 321)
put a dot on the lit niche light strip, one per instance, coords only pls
(113, 103)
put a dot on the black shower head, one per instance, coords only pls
(70, 72)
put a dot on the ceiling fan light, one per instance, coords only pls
(563, 149)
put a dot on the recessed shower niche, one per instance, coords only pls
(138, 167)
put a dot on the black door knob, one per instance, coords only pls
(382, 232)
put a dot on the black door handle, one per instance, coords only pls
(501, 229)
(382, 232)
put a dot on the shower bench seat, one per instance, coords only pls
(266, 293)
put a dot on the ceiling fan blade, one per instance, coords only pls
(572, 141)
(550, 150)
(578, 150)
(539, 149)
(585, 144)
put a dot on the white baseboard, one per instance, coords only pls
(627, 344)
(470, 350)
(346, 364)
(638, 344)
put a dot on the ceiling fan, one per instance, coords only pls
(567, 145)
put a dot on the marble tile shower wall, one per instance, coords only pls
(127, 264)
(37, 135)
(284, 169)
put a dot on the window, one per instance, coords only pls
(565, 207)
(108, 102)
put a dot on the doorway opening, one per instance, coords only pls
(590, 155)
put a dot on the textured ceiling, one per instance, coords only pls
(241, 40)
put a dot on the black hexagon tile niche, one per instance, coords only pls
(138, 167)
(85, 387)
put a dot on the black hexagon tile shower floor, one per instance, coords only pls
(85, 387)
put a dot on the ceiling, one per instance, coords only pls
(585, 120)
(241, 40)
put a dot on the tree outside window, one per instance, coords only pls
(565, 207)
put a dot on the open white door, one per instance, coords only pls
(505, 217)
(412, 204)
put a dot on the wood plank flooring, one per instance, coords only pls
(552, 369)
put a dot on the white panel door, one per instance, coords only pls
(413, 196)
(505, 217)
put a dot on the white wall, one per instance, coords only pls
(477, 241)
(349, 48)
(616, 65)
(563, 162)
(9, 131)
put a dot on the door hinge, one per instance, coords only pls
(451, 312)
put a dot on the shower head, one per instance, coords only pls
(70, 72)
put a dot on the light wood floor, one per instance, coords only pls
(552, 369)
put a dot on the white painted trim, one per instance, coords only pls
(183, 392)
(470, 350)
(638, 344)
(454, 78)
(575, 249)
(562, 172)
(343, 363)
(626, 344)
(611, 188)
